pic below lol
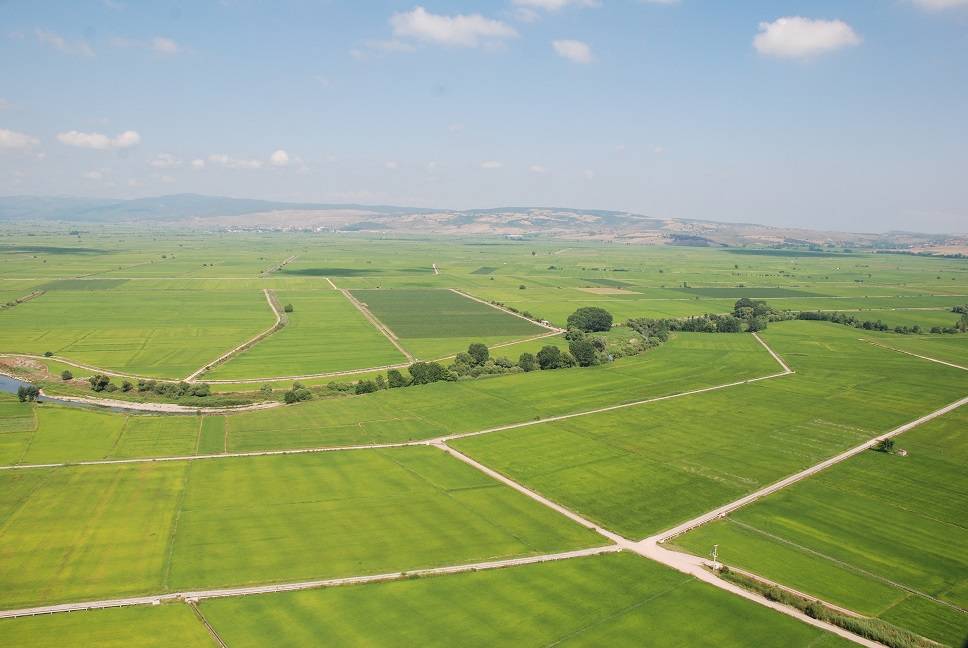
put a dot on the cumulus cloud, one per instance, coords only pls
(165, 161)
(470, 30)
(798, 37)
(221, 159)
(279, 158)
(491, 164)
(939, 5)
(573, 50)
(12, 140)
(198, 163)
(99, 141)
(58, 42)
(537, 168)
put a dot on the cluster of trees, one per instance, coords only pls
(296, 394)
(173, 391)
(27, 393)
(848, 319)
(748, 315)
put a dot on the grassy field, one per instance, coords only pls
(144, 626)
(325, 333)
(166, 333)
(844, 533)
(687, 362)
(436, 323)
(610, 600)
(107, 531)
(641, 470)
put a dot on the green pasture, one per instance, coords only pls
(610, 600)
(113, 530)
(325, 333)
(641, 470)
(845, 533)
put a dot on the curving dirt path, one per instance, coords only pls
(164, 408)
(279, 323)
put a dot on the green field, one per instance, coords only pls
(844, 533)
(610, 600)
(436, 323)
(144, 626)
(325, 333)
(113, 530)
(641, 470)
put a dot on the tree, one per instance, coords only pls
(67, 375)
(885, 445)
(126, 386)
(201, 390)
(549, 357)
(287, 308)
(48, 354)
(366, 387)
(266, 390)
(756, 324)
(590, 319)
(584, 352)
(395, 379)
(527, 362)
(297, 394)
(423, 373)
(963, 323)
(381, 382)
(99, 382)
(27, 393)
(729, 324)
(478, 352)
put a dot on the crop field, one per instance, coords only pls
(166, 333)
(112, 530)
(325, 333)
(548, 453)
(843, 534)
(435, 323)
(611, 600)
(642, 470)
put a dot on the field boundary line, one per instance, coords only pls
(200, 595)
(80, 365)
(208, 626)
(331, 283)
(684, 563)
(916, 355)
(279, 266)
(280, 322)
(723, 510)
(776, 356)
(380, 326)
(434, 266)
(506, 310)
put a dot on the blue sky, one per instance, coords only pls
(843, 115)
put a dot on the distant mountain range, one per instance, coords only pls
(217, 212)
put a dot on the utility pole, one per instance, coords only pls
(715, 555)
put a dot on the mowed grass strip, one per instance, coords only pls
(325, 333)
(609, 600)
(875, 515)
(641, 470)
(95, 532)
(165, 626)
(434, 323)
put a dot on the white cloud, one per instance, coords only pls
(588, 173)
(58, 42)
(391, 165)
(279, 158)
(573, 50)
(166, 179)
(537, 168)
(798, 37)
(459, 31)
(96, 175)
(491, 164)
(198, 163)
(165, 161)
(555, 5)
(164, 45)
(228, 162)
(455, 128)
(940, 5)
(99, 141)
(16, 141)
(658, 150)
(134, 182)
